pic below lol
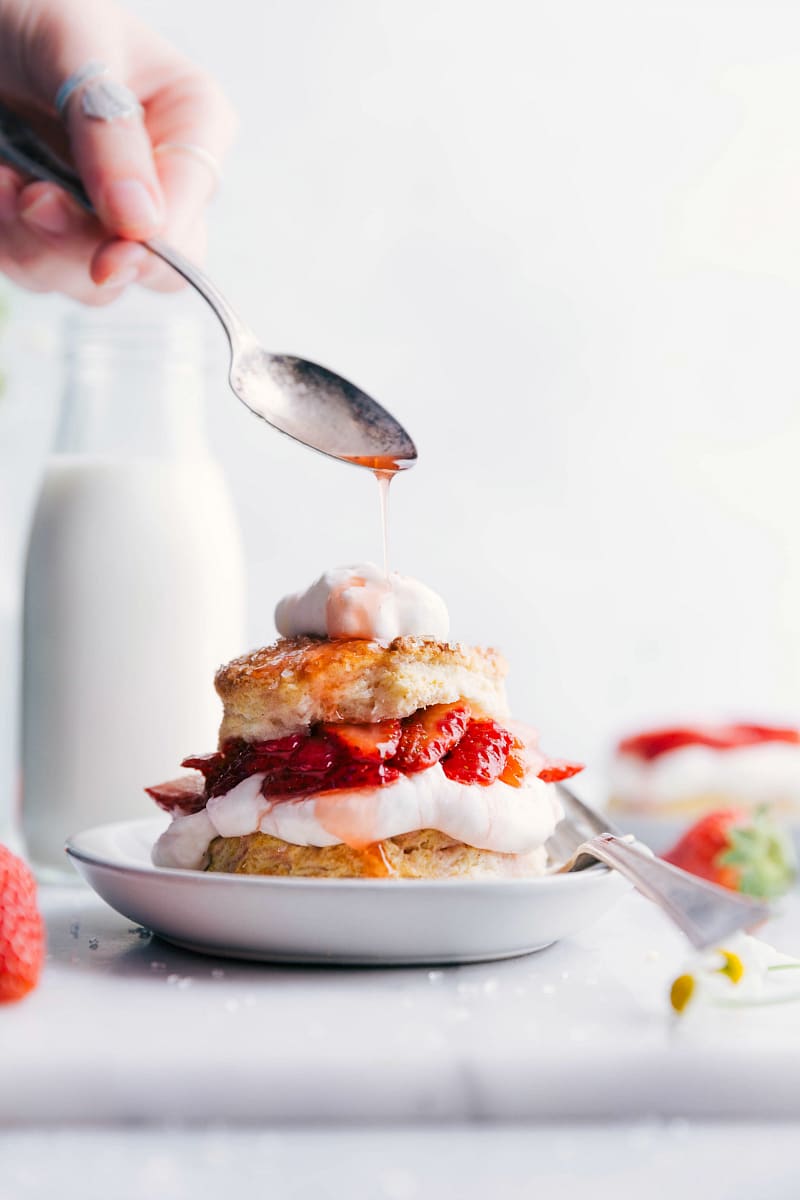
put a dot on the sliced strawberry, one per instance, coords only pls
(557, 769)
(348, 774)
(481, 755)
(317, 755)
(366, 743)
(180, 797)
(517, 765)
(430, 734)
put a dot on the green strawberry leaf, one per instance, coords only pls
(763, 856)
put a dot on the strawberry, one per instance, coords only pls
(737, 850)
(366, 743)
(481, 755)
(517, 765)
(21, 929)
(429, 734)
(556, 769)
(180, 797)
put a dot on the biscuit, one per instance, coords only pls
(425, 854)
(297, 682)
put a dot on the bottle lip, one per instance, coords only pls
(98, 337)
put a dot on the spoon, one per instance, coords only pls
(302, 399)
(707, 914)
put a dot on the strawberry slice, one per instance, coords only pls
(517, 765)
(180, 797)
(366, 743)
(430, 734)
(481, 755)
(557, 769)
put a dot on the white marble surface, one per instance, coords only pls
(126, 1029)
(651, 1160)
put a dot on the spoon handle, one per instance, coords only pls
(236, 331)
(707, 914)
(23, 148)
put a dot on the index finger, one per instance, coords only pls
(191, 124)
(114, 158)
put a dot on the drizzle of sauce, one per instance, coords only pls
(384, 468)
(375, 863)
(384, 478)
(348, 815)
(380, 462)
(357, 618)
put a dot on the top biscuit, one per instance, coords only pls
(297, 682)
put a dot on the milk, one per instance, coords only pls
(133, 598)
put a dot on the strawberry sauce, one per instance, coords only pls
(654, 743)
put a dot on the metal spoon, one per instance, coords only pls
(707, 914)
(302, 399)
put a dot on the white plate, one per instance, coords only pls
(354, 921)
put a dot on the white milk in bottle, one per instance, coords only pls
(134, 585)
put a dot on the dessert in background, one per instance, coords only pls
(683, 772)
(364, 743)
(740, 850)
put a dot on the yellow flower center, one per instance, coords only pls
(732, 966)
(681, 992)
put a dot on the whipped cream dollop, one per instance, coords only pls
(511, 820)
(362, 602)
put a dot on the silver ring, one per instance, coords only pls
(194, 151)
(101, 97)
(92, 70)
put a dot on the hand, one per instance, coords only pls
(47, 242)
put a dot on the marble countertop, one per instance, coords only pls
(125, 1028)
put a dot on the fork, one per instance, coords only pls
(707, 914)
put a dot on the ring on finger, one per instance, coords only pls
(194, 151)
(101, 97)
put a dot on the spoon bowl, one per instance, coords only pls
(305, 401)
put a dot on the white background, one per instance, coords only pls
(561, 241)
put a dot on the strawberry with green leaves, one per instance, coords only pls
(742, 851)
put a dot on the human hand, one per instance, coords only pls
(47, 242)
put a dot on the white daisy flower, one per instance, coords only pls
(744, 972)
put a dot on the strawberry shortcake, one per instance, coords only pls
(364, 743)
(684, 771)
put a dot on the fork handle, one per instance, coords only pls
(707, 914)
(24, 149)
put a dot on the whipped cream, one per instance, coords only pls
(362, 602)
(498, 817)
(694, 776)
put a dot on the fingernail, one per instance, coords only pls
(120, 278)
(130, 206)
(48, 213)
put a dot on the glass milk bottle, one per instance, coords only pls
(134, 589)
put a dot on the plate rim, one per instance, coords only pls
(184, 875)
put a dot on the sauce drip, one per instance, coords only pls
(384, 468)
(384, 478)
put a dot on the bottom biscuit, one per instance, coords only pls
(425, 854)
